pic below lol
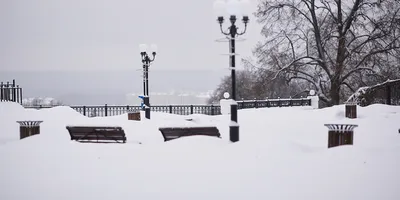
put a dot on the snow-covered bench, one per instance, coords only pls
(96, 133)
(170, 133)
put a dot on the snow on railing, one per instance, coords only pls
(111, 110)
(359, 97)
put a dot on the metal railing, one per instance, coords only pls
(10, 92)
(112, 110)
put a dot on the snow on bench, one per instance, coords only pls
(170, 133)
(96, 133)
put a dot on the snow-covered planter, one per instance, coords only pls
(340, 134)
(134, 115)
(351, 110)
(28, 128)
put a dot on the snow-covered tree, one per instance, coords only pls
(255, 84)
(334, 45)
(39, 101)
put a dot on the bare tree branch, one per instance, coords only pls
(351, 17)
(292, 63)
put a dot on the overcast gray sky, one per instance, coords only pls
(105, 34)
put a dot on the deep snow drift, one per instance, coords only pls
(282, 154)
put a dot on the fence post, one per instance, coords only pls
(290, 102)
(170, 109)
(13, 91)
(105, 110)
(279, 102)
(255, 103)
(20, 94)
(212, 109)
(1, 91)
(17, 94)
(127, 108)
(84, 110)
(191, 109)
(7, 92)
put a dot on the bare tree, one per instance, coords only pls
(256, 83)
(244, 79)
(267, 83)
(331, 44)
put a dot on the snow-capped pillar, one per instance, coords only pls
(226, 104)
(314, 99)
(229, 106)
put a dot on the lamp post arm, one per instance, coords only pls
(144, 58)
(154, 57)
(222, 30)
(244, 31)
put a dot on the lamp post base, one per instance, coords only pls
(234, 133)
(147, 112)
(234, 127)
(146, 102)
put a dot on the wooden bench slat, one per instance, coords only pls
(170, 133)
(97, 136)
(96, 133)
(99, 133)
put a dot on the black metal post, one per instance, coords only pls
(147, 107)
(234, 127)
(106, 110)
(1, 91)
(7, 91)
(147, 97)
(14, 96)
(20, 94)
(17, 94)
(146, 63)
(233, 71)
(147, 79)
(144, 80)
(233, 32)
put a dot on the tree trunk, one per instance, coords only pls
(335, 80)
(335, 92)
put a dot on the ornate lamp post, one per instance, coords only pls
(234, 9)
(146, 61)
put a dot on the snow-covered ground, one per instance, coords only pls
(282, 154)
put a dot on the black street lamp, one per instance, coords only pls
(146, 61)
(233, 8)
